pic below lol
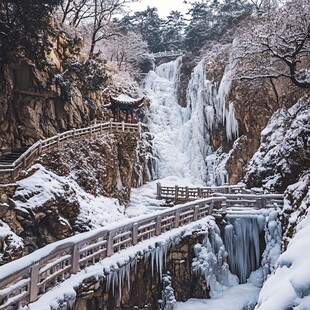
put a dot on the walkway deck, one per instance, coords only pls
(26, 279)
(10, 171)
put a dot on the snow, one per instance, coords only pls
(289, 286)
(126, 98)
(284, 147)
(234, 298)
(44, 186)
(10, 241)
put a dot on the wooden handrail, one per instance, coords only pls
(26, 279)
(11, 171)
(168, 53)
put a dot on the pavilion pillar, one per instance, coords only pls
(133, 117)
(118, 119)
(127, 112)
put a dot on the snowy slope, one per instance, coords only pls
(289, 286)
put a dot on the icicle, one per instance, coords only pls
(242, 243)
(210, 260)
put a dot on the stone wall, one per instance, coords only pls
(145, 287)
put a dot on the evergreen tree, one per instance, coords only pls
(211, 20)
(173, 30)
(21, 28)
(149, 25)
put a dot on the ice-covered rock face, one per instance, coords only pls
(284, 151)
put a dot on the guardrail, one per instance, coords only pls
(10, 172)
(192, 193)
(26, 279)
(168, 53)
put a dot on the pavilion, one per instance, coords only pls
(125, 104)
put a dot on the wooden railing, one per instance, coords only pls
(167, 53)
(191, 193)
(233, 194)
(11, 171)
(26, 279)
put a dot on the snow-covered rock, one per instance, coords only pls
(284, 152)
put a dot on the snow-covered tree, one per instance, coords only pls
(173, 29)
(211, 20)
(95, 15)
(148, 24)
(125, 49)
(278, 44)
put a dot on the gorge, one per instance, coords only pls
(224, 128)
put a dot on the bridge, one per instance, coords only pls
(168, 54)
(10, 171)
(25, 280)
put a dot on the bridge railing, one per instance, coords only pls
(26, 279)
(192, 193)
(11, 171)
(168, 53)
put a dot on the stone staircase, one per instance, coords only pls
(9, 158)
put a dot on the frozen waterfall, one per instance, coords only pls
(179, 134)
(182, 135)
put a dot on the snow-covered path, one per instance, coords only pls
(235, 298)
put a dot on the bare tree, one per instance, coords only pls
(95, 15)
(278, 44)
(125, 49)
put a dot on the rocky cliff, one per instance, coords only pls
(79, 187)
(86, 183)
(40, 98)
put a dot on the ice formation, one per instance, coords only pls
(243, 245)
(211, 261)
(182, 135)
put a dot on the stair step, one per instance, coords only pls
(11, 157)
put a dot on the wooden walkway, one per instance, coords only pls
(168, 54)
(23, 281)
(9, 172)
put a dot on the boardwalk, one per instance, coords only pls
(26, 279)
(9, 172)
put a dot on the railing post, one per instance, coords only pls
(34, 278)
(40, 148)
(176, 191)
(14, 174)
(134, 235)
(123, 126)
(211, 207)
(177, 219)
(263, 203)
(223, 205)
(91, 130)
(101, 130)
(158, 225)
(196, 211)
(110, 249)
(58, 140)
(75, 259)
(24, 162)
(73, 134)
(158, 194)
(139, 128)
(110, 127)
